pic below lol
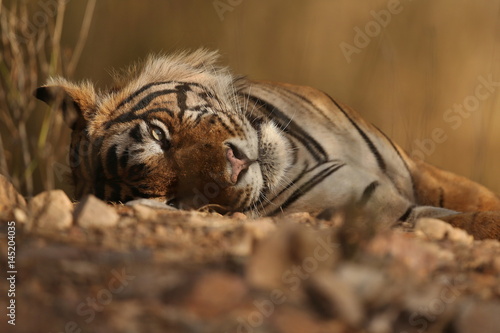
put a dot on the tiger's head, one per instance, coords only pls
(173, 129)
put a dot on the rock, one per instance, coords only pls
(334, 298)
(369, 284)
(94, 213)
(149, 203)
(417, 255)
(215, 293)
(238, 216)
(291, 319)
(10, 200)
(436, 229)
(145, 212)
(271, 260)
(51, 210)
(261, 228)
(289, 256)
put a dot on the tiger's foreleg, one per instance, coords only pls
(478, 206)
(439, 188)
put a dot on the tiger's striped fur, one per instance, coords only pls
(184, 131)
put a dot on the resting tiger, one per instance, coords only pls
(184, 131)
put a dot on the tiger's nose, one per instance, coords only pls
(238, 161)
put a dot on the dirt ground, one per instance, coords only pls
(92, 267)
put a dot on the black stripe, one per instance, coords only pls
(146, 100)
(243, 200)
(137, 193)
(368, 192)
(236, 126)
(112, 161)
(136, 133)
(138, 151)
(74, 155)
(138, 92)
(414, 190)
(181, 92)
(136, 172)
(295, 152)
(115, 194)
(99, 180)
(128, 198)
(202, 112)
(226, 128)
(124, 158)
(268, 202)
(308, 186)
(368, 141)
(86, 151)
(152, 84)
(127, 117)
(406, 214)
(441, 197)
(311, 104)
(289, 126)
(93, 163)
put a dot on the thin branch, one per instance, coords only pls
(3, 162)
(82, 39)
(56, 37)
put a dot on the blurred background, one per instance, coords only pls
(423, 71)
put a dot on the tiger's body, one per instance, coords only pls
(185, 132)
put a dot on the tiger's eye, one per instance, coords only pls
(157, 134)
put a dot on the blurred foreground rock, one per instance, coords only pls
(140, 268)
(51, 211)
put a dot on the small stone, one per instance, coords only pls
(145, 213)
(149, 203)
(460, 236)
(435, 229)
(238, 216)
(10, 199)
(20, 215)
(51, 210)
(432, 228)
(94, 213)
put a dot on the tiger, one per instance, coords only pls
(182, 130)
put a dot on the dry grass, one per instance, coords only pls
(31, 52)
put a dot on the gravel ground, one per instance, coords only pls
(93, 267)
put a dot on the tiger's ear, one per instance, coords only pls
(77, 102)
